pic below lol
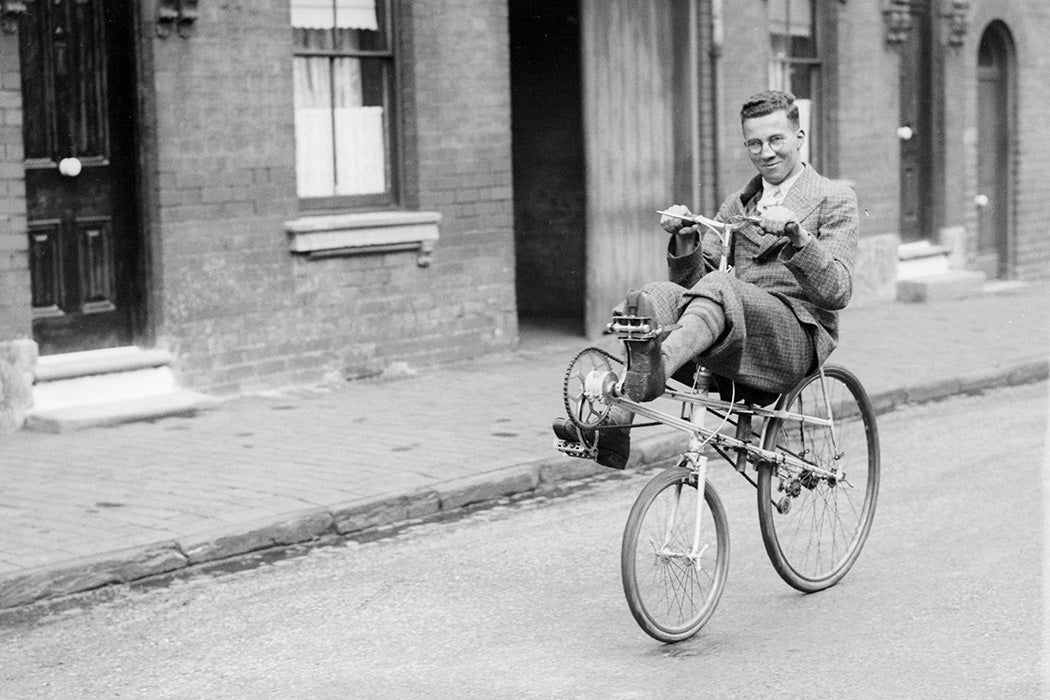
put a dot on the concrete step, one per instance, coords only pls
(178, 402)
(107, 387)
(80, 364)
(951, 284)
(921, 259)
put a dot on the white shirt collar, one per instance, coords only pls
(768, 187)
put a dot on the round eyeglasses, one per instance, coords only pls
(775, 142)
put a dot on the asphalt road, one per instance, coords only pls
(524, 599)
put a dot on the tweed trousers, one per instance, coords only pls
(764, 345)
(780, 303)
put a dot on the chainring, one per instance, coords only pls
(585, 412)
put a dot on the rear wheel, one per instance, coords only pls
(813, 525)
(672, 589)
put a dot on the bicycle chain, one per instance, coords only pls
(565, 395)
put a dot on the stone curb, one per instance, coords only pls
(315, 525)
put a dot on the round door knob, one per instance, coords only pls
(981, 200)
(70, 167)
(904, 133)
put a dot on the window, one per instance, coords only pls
(795, 63)
(344, 113)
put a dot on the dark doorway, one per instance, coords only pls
(917, 139)
(550, 226)
(78, 88)
(994, 150)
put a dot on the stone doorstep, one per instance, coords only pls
(178, 402)
(921, 259)
(952, 284)
(107, 387)
(91, 362)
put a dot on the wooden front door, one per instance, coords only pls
(78, 91)
(993, 153)
(916, 125)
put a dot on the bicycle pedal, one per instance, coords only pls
(632, 327)
(576, 449)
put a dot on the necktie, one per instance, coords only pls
(772, 199)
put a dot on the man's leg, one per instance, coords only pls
(651, 362)
(660, 301)
(738, 331)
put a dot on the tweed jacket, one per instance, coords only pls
(815, 281)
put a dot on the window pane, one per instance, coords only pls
(342, 99)
(361, 139)
(315, 169)
(803, 80)
(792, 29)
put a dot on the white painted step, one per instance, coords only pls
(70, 418)
(79, 364)
(107, 387)
(921, 259)
(954, 284)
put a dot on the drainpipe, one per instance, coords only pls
(717, 38)
(696, 144)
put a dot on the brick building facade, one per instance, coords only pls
(528, 144)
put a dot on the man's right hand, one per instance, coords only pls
(675, 225)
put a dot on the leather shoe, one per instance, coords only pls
(614, 444)
(645, 378)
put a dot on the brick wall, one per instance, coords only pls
(238, 309)
(15, 295)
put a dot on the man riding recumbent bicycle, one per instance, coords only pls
(741, 331)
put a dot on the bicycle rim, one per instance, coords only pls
(671, 596)
(818, 539)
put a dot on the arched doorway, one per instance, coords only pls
(995, 145)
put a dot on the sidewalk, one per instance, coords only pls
(110, 505)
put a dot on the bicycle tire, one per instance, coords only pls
(805, 544)
(674, 612)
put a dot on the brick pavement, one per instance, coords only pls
(109, 505)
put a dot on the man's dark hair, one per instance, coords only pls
(769, 101)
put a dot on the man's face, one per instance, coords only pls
(774, 164)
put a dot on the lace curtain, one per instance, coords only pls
(340, 140)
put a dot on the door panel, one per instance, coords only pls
(993, 156)
(628, 122)
(78, 82)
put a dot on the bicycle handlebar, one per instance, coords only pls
(791, 228)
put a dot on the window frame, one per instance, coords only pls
(818, 152)
(393, 57)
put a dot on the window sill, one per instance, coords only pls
(368, 233)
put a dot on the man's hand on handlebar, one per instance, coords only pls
(781, 221)
(677, 226)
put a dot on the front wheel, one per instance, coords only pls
(672, 582)
(814, 525)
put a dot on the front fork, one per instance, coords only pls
(696, 461)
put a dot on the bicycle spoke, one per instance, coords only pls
(827, 510)
(671, 590)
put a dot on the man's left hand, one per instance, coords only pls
(775, 220)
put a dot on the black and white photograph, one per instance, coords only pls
(524, 349)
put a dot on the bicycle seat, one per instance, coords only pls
(741, 394)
